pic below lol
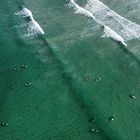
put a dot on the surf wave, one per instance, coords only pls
(80, 10)
(33, 28)
(105, 16)
(108, 32)
(25, 12)
(115, 26)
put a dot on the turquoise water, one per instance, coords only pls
(63, 68)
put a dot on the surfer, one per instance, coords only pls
(98, 79)
(112, 118)
(4, 124)
(132, 96)
(28, 84)
(24, 66)
(94, 130)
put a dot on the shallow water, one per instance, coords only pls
(75, 75)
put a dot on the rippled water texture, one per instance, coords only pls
(69, 70)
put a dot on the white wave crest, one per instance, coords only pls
(105, 16)
(108, 32)
(81, 10)
(25, 12)
(33, 28)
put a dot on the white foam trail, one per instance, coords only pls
(81, 10)
(105, 16)
(108, 32)
(32, 25)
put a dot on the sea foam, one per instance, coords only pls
(115, 26)
(80, 10)
(33, 27)
(105, 16)
(108, 32)
(26, 12)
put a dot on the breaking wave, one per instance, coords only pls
(108, 32)
(80, 10)
(115, 26)
(33, 28)
(105, 16)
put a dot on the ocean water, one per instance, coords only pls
(76, 75)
